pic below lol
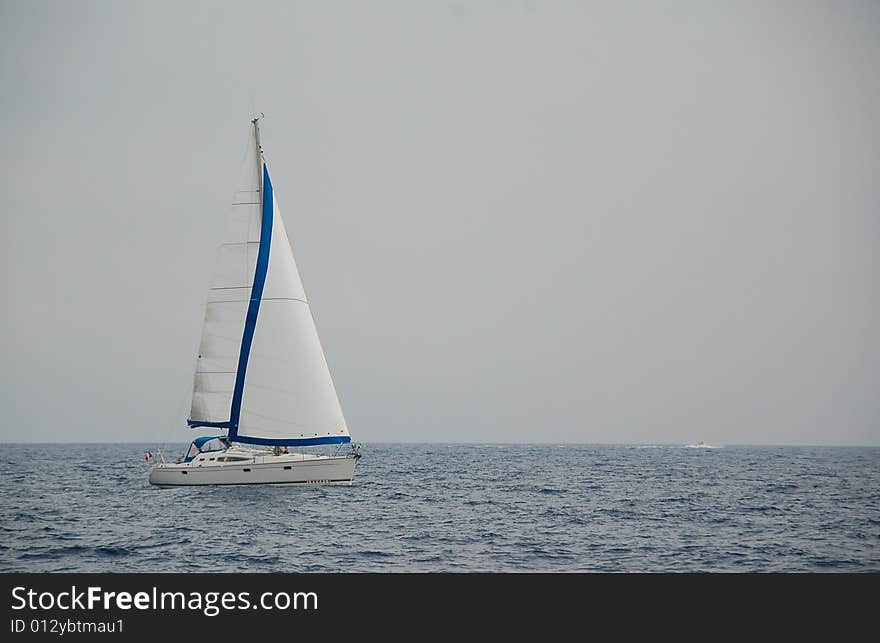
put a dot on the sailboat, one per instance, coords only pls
(261, 378)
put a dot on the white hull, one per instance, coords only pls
(293, 468)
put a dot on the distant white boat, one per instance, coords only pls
(261, 378)
(700, 445)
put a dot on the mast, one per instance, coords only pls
(256, 122)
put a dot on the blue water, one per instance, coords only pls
(454, 508)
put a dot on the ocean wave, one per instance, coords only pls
(459, 508)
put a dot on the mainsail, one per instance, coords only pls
(261, 372)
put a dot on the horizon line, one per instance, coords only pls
(554, 442)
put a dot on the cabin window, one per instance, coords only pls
(247, 470)
(286, 468)
(184, 472)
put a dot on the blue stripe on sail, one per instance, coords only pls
(296, 442)
(218, 425)
(250, 323)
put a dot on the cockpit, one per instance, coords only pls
(205, 444)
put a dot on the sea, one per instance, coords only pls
(454, 508)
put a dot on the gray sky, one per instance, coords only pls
(516, 221)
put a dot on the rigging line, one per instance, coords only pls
(228, 338)
(233, 301)
(285, 299)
